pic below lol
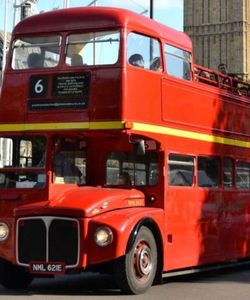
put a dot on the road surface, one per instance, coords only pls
(227, 284)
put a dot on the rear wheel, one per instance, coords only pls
(135, 272)
(13, 277)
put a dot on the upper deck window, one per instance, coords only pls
(178, 62)
(36, 52)
(144, 52)
(93, 48)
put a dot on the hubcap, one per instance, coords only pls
(142, 260)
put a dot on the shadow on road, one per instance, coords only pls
(84, 284)
(233, 274)
(103, 285)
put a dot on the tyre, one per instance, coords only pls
(135, 272)
(13, 277)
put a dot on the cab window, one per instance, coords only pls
(69, 161)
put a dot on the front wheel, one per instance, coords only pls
(135, 272)
(13, 277)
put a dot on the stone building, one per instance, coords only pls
(220, 32)
(1, 52)
(1, 47)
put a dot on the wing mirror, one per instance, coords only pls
(139, 147)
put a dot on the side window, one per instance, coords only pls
(178, 62)
(144, 52)
(242, 175)
(180, 170)
(208, 172)
(125, 168)
(228, 173)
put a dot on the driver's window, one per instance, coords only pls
(69, 161)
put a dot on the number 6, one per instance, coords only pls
(39, 87)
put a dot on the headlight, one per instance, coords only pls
(103, 236)
(4, 231)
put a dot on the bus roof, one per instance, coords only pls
(81, 18)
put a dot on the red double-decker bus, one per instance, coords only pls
(117, 153)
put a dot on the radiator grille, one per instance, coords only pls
(63, 239)
(48, 239)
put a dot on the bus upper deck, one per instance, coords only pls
(88, 66)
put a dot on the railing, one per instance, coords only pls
(225, 82)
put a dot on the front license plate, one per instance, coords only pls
(47, 268)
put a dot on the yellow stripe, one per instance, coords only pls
(190, 135)
(122, 125)
(107, 125)
(62, 126)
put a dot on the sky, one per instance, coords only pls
(168, 12)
